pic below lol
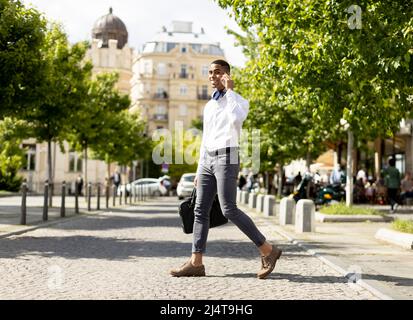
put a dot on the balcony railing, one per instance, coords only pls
(160, 96)
(184, 75)
(160, 117)
(203, 96)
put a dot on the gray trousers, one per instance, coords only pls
(219, 174)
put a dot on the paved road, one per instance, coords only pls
(126, 254)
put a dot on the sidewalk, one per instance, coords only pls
(352, 248)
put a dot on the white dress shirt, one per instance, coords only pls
(223, 119)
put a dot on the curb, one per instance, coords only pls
(370, 285)
(401, 239)
(320, 217)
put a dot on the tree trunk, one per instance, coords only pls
(108, 171)
(349, 182)
(308, 161)
(280, 180)
(49, 171)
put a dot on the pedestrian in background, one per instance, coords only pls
(79, 181)
(392, 182)
(241, 181)
(406, 187)
(117, 179)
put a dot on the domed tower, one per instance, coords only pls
(110, 27)
(109, 51)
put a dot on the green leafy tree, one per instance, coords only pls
(284, 119)
(22, 33)
(12, 132)
(336, 60)
(62, 91)
(103, 102)
(122, 141)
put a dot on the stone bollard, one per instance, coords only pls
(269, 203)
(252, 200)
(239, 196)
(23, 207)
(45, 199)
(260, 203)
(305, 216)
(244, 197)
(287, 211)
(63, 204)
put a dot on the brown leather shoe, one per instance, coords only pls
(268, 262)
(189, 270)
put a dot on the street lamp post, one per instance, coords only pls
(349, 171)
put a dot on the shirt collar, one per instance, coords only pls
(217, 94)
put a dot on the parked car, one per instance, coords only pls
(185, 185)
(149, 186)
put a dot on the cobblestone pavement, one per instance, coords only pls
(127, 253)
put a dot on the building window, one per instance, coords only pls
(204, 91)
(30, 164)
(196, 48)
(170, 46)
(160, 110)
(183, 49)
(161, 69)
(147, 88)
(205, 71)
(160, 91)
(75, 162)
(183, 90)
(147, 68)
(183, 110)
(184, 71)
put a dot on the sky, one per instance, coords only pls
(144, 18)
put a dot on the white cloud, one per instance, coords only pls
(144, 19)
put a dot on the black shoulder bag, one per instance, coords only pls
(186, 212)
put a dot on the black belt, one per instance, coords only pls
(226, 150)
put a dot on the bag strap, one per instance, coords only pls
(193, 197)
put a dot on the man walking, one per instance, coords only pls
(218, 170)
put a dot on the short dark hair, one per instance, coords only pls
(223, 63)
(392, 162)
